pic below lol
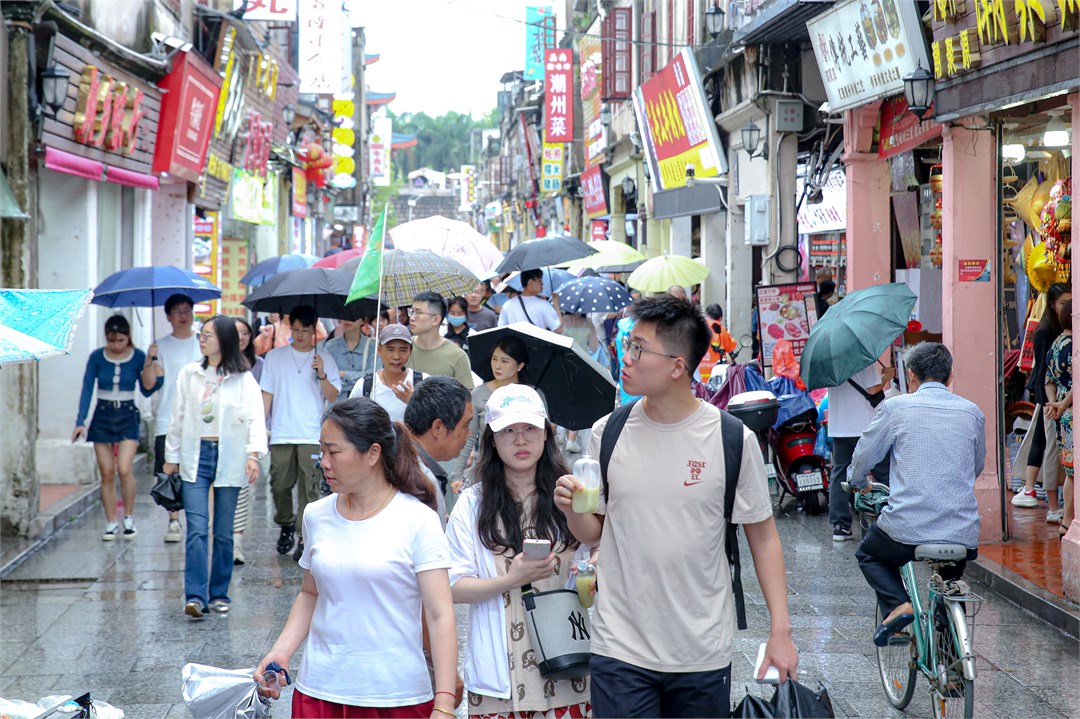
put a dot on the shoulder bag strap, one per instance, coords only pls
(731, 434)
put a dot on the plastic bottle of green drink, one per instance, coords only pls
(587, 471)
(586, 575)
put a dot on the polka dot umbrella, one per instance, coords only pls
(593, 294)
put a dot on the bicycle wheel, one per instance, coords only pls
(897, 667)
(952, 694)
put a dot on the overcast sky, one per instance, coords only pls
(442, 55)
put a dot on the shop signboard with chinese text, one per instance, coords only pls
(559, 95)
(786, 312)
(273, 10)
(187, 117)
(551, 167)
(379, 151)
(299, 193)
(320, 46)
(468, 188)
(592, 78)
(865, 48)
(234, 265)
(592, 184)
(830, 213)
(539, 36)
(115, 118)
(973, 270)
(598, 230)
(676, 125)
(902, 130)
(204, 258)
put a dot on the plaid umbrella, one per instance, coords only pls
(408, 273)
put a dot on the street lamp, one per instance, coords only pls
(288, 114)
(605, 115)
(919, 90)
(628, 186)
(54, 85)
(714, 19)
(751, 136)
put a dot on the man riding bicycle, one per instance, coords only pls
(937, 444)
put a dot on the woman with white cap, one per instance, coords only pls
(512, 500)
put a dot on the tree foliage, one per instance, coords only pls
(444, 143)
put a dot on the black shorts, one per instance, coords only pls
(159, 454)
(114, 422)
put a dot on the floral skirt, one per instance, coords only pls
(1065, 441)
(574, 711)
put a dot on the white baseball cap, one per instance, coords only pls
(513, 404)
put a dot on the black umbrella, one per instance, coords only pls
(578, 389)
(544, 252)
(324, 289)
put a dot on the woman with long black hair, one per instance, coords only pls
(243, 502)
(216, 437)
(513, 499)
(375, 559)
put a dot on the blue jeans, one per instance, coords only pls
(197, 585)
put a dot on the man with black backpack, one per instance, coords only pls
(679, 475)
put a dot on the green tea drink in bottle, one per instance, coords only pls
(586, 576)
(587, 500)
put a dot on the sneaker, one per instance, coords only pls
(299, 551)
(175, 532)
(285, 540)
(1054, 517)
(237, 550)
(840, 533)
(196, 609)
(129, 528)
(111, 530)
(220, 606)
(573, 447)
(1025, 499)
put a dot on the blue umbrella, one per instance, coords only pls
(39, 323)
(266, 269)
(593, 294)
(151, 286)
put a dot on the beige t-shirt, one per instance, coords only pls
(447, 358)
(664, 600)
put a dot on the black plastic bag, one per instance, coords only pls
(790, 700)
(167, 492)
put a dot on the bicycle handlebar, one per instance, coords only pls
(874, 487)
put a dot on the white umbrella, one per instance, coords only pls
(449, 238)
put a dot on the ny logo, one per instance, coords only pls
(578, 626)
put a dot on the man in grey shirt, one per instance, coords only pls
(937, 444)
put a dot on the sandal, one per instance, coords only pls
(1063, 529)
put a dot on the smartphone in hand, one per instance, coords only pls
(536, 548)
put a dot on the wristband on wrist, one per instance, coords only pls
(449, 694)
(321, 379)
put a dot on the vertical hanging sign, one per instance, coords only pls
(558, 100)
(539, 36)
(320, 46)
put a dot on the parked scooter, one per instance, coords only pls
(727, 359)
(790, 457)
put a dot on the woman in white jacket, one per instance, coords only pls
(216, 436)
(512, 500)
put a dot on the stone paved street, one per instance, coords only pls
(85, 615)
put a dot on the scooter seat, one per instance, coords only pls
(940, 552)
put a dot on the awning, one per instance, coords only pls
(402, 141)
(379, 98)
(71, 164)
(686, 201)
(9, 207)
(782, 22)
(371, 58)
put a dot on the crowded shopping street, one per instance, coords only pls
(611, 358)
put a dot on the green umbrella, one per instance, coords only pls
(854, 333)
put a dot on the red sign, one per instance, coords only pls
(677, 127)
(558, 100)
(107, 113)
(257, 153)
(599, 230)
(786, 312)
(592, 184)
(1027, 349)
(187, 117)
(299, 193)
(974, 270)
(901, 130)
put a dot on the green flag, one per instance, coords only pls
(366, 281)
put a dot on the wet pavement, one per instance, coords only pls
(86, 615)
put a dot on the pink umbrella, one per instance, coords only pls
(337, 259)
(449, 238)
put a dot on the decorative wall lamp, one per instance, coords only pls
(750, 134)
(919, 90)
(714, 19)
(54, 86)
(629, 188)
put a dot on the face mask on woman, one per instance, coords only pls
(456, 321)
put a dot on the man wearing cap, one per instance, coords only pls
(392, 386)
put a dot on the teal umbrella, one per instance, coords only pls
(35, 324)
(854, 333)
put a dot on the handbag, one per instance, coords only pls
(790, 700)
(559, 630)
(167, 493)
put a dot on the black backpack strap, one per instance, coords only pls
(612, 430)
(873, 399)
(369, 382)
(731, 434)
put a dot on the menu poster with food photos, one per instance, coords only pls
(786, 312)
